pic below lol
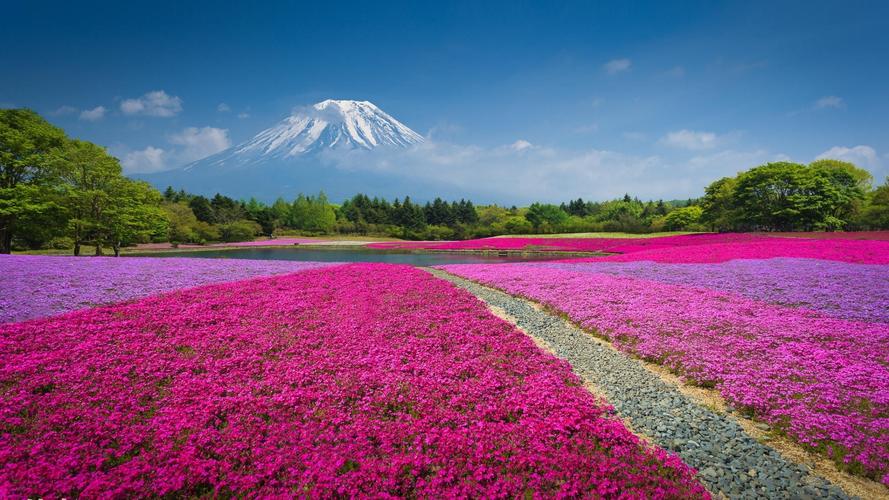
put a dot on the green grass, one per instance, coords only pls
(598, 235)
(85, 251)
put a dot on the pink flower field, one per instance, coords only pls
(821, 379)
(569, 244)
(683, 248)
(842, 250)
(338, 382)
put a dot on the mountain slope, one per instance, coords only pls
(295, 156)
(327, 125)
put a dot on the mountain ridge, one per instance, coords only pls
(298, 154)
(329, 124)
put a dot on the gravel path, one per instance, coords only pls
(729, 461)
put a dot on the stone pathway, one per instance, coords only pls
(730, 462)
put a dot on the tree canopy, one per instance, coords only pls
(785, 196)
(53, 186)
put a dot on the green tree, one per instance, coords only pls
(312, 214)
(202, 209)
(29, 185)
(876, 212)
(170, 194)
(683, 218)
(850, 183)
(513, 224)
(545, 216)
(239, 230)
(226, 209)
(439, 213)
(789, 196)
(91, 176)
(409, 215)
(106, 208)
(620, 209)
(863, 178)
(491, 214)
(184, 227)
(281, 211)
(718, 205)
(465, 212)
(135, 216)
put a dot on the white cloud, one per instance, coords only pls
(861, 155)
(690, 139)
(513, 174)
(192, 143)
(616, 66)
(145, 161)
(155, 103)
(520, 145)
(243, 115)
(93, 115)
(223, 108)
(518, 172)
(444, 130)
(830, 101)
(199, 143)
(64, 110)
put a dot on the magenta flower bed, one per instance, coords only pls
(839, 289)
(683, 248)
(822, 380)
(347, 381)
(35, 286)
(842, 250)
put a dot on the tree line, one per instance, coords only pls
(58, 192)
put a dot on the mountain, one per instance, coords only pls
(329, 124)
(295, 155)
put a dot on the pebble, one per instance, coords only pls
(730, 462)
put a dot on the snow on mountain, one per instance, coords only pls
(330, 124)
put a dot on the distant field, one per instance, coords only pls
(598, 235)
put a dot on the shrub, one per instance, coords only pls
(239, 230)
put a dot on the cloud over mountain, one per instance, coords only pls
(155, 103)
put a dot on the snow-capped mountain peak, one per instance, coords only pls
(333, 146)
(339, 124)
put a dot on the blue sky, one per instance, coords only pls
(666, 97)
